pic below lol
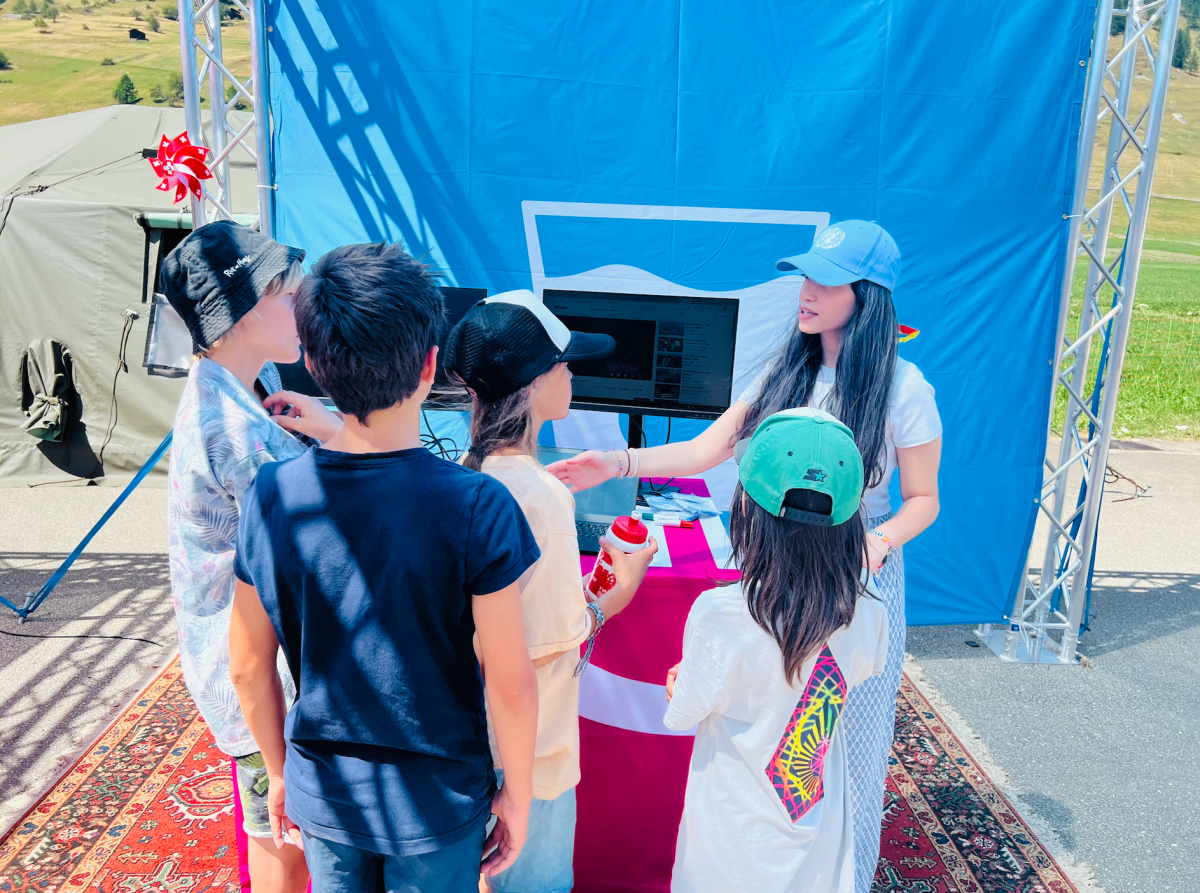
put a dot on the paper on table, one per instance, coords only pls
(718, 540)
(662, 558)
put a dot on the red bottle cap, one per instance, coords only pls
(630, 530)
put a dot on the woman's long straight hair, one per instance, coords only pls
(801, 581)
(866, 367)
(501, 424)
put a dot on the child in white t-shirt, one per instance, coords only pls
(512, 353)
(767, 666)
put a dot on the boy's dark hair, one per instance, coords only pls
(367, 316)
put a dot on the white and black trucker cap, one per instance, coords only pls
(506, 341)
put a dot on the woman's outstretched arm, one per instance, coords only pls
(683, 459)
(919, 489)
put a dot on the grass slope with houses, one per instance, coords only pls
(66, 57)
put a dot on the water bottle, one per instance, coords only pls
(629, 535)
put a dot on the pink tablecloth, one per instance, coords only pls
(634, 769)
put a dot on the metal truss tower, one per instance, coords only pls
(201, 49)
(1048, 611)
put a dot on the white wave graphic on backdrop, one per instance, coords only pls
(765, 311)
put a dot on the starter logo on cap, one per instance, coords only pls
(814, 474)
(831, 238)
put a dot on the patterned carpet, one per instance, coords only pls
(150, 808)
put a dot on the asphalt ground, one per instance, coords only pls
(1102, 760)
(1105, 757)
(111, 623)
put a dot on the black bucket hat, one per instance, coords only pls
(218, 273)
(505, 342)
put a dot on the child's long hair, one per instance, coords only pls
(801, 581)
(501, 424)
(866, 366)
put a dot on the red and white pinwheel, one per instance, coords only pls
(181, 165)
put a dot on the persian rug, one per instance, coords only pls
(149, 807)
(946, 827)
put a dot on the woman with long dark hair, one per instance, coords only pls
(841, 357)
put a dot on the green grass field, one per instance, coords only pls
(60, 71)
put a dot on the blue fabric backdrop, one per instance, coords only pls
(953, 124)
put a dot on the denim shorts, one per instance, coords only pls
(252, 782)
(342, 868)
(545, 864)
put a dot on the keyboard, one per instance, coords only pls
(584, 529)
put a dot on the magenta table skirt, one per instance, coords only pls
(634, 769)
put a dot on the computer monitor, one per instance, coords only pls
(458, 302)
(674, 354)
(295, 376)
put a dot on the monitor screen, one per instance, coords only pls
(674, 354)
(458, 302)
(296, 377)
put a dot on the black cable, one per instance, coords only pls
(122, 366)
(432, 441)
(122, 638)
(659, 489)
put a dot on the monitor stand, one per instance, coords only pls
(637, 435)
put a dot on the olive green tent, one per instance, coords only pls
(82, 230)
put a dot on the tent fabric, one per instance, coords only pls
(47, 387)
(72, 259)
(684, 146)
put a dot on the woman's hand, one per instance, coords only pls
(303, 414)
(585, 470)
(672, 675)
(877, 552)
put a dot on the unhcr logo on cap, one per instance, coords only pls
(831, 238)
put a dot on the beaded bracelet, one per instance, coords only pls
(620, 464)
(585, 661)
(887, 540)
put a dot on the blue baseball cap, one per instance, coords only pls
(846, 252)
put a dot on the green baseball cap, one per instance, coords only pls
(807, 450)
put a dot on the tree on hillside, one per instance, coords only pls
(1117, 26)
(126, 93)
(1183, 48)
(19, 7)
(40, 24)
(4, 63)
(152, 23)
(51, 12)
(175, 89)
(157, 94)
(232, 91)
(171, 13)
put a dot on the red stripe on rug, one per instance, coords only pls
(150, 806)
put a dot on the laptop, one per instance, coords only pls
(597, 507)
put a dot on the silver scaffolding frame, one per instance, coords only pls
(201, 51)
(1044, 624)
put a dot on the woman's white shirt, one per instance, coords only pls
(768, 805)
(912, 420)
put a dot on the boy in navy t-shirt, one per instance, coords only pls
(374, 564)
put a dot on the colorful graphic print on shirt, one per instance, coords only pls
(797, 770)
